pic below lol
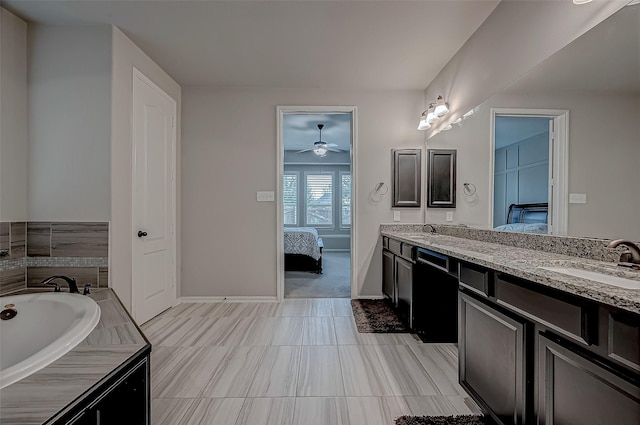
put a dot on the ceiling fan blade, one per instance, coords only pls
(305, 150)
(335, 150)
(332, 145)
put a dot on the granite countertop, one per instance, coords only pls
(527, 263)
(42, 395)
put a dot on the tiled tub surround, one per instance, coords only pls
(44, 394)
(499, 254)
(42, 249)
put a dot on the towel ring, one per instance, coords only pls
(469, 189)
(379, 188)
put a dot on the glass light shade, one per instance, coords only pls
(320, 149)
(441, 108)
(447, 128)
(424, 125)
(581, 1)
(458, 121)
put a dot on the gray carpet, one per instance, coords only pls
(334, 282)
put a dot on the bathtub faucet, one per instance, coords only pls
(73, 287)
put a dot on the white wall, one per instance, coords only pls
(603, 160)
(127, 55)
(69, 114)
(229, 153)
(517, 36)
(13, 117)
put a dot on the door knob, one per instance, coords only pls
(141, 233)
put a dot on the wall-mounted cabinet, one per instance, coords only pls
(441, 178)
(407, 176)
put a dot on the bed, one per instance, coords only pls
(302, 249)
(528, 218)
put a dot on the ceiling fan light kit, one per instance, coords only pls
(320, 148)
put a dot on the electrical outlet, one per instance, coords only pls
(449, 216)
(266, 196)
(396, 216)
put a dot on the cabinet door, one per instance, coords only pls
(388, 275)
(404, 281)
(492, 354)
(576, 391)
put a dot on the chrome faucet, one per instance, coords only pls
(73, 287)
(634, 251)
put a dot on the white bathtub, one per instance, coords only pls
(47, 326)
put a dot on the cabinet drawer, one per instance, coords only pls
(395, 246)
(568, 315)
(475, 278)
(407, 251)
(385, 242)
(624, 339)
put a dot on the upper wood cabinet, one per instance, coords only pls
(407, 176)
(441, 178)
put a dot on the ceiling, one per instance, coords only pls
(283, 44)
(300, 131)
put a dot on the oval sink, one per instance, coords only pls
(46, 326)
(607, 279)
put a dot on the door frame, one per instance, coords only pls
(558, 162)
(137, 74)
(281, 111)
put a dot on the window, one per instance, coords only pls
(345, 199)
(319, 199)
(290, 196)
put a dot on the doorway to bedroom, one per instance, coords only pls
(316, 203)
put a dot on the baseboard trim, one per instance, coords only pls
(371, 297)
(230, 299)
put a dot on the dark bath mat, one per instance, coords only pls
(377, 316)
(441, 420)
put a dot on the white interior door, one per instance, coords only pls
(153, 233)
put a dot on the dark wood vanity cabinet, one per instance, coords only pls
(492, 359)
(123, 398)
(398, 259)
(575, 388)
(388, 275)
(529, 354)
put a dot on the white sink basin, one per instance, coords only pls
(47, 326)
(607, 279)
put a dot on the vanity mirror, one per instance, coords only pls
(595, 83)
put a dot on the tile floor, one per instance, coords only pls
(297, 362)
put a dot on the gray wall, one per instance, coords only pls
(228, 239)
(69, 123)
(13, 117)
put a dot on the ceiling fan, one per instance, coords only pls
(321, 148)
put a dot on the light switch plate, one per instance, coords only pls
(449, 216)
(266, 196)
(577, 198)
(396, 216)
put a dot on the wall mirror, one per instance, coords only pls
(407, 176)
(596, 78)
(441, 178)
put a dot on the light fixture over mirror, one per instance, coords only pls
(434, 112)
